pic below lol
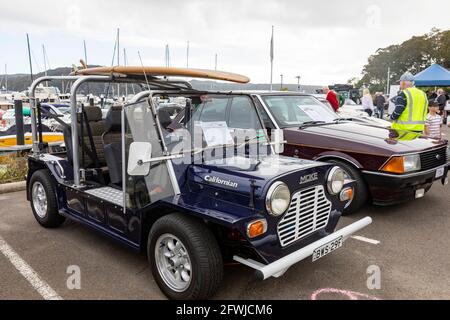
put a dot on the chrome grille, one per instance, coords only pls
(309, 211)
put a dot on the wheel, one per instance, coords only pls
(361, 193)
(43, 200)
(185, 258)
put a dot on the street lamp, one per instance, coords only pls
(298, 81)
(281, 89)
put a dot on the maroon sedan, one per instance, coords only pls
(388, 166)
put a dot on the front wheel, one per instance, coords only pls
(43, 200)
(361, 193)
(185, 258)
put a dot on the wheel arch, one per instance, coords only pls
(33, 166)
(340, 157)
(151, 215)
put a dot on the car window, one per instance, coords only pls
(212, 110)
(290, 111)
(243, 114)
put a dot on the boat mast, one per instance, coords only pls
(125, 64)
(87, 64)
(187, 55)
(6, 77)
(29, 58)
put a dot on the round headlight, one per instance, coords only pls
(278, 199)
(336, 180)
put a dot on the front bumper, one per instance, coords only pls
(389, 189)
(279, 267)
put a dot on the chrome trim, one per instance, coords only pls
(337, 157)
(410, 175)
(308, 212)
(411, 154)
(56, 163)
(269, 195)
(329, 180)
(272, 118)
(279, 267)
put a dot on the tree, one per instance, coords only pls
(413, 55)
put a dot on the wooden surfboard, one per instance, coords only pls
(165, 72)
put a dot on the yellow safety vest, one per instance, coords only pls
(415, 114)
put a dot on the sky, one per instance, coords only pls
(324, 42)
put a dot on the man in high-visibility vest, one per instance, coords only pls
(411, 106)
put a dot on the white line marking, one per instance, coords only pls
(363, 239)
(28, 273)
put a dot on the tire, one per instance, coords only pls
(361, 194)
(42, 185)
(203, 252)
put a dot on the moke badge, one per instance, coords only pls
(438, 157)
(309, 178)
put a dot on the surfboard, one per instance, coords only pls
(165, 72)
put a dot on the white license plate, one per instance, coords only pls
(328, 248)
(440, 172)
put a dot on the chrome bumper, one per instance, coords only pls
(278, 268)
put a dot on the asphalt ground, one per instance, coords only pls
(409, 244)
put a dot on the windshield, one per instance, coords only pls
(350, 102)
(293, 111)
(64, 110)
(221, 120)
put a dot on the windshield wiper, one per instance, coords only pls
(343, 119)
(311, 123)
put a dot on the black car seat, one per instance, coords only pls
(112, 143)
(91, 131)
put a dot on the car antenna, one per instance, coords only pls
(143, 70)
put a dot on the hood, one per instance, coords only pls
(237, 173)
(372, 139)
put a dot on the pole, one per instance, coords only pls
(298, 83)
(281, 88)
(118, 59)
(388, 81)
(272, 49)
(187, 55)
(6, 77)
(20, 136)
(215, 65)
(29, 58)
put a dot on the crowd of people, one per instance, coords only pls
(415, 110)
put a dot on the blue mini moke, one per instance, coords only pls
(212, 191)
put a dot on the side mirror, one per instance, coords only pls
(139, 158)
(278, 140)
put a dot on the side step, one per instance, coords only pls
(109, 194)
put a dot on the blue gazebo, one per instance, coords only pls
(434, 76)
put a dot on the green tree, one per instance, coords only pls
(413, 55)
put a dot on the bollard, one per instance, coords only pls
(20, 134)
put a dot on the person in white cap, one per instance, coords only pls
(411, 106)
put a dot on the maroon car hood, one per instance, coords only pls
(356, 137)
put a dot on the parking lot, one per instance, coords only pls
(408, 242)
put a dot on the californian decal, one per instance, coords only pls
(222, 182)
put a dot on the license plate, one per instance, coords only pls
(328, 248)
(440, 172)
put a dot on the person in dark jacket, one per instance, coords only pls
(441, 99)
(380, 102)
